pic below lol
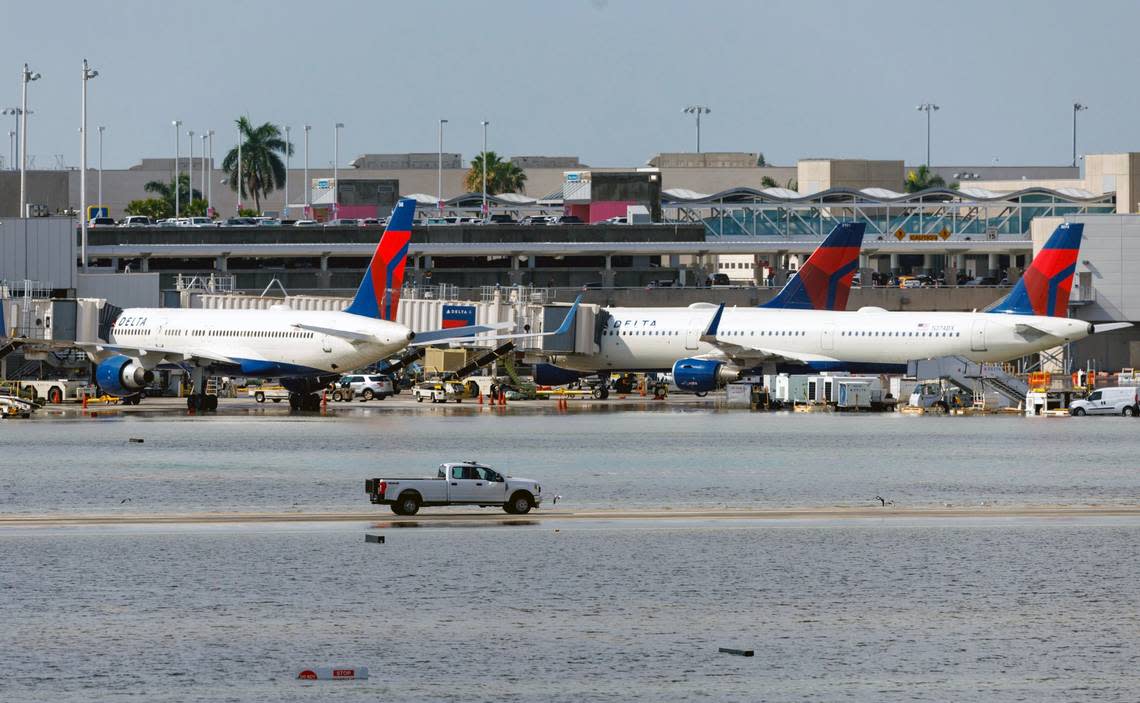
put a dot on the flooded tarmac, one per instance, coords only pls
(1002, 570)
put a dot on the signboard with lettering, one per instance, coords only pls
(458, 316)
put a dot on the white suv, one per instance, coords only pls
(366, 387)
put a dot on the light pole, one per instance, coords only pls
(27, 76)
(177, 170)
(308, 186)
(14, 135)
(88, 74)
(928, 108)
(1077, 107)
(190, 172)
(210, 174)
(697, 110)
(205, 136)
(288, 144)
(101, 129)
(336, 159)
(485, 123)
(439, 171)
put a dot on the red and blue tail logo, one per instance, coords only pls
(1044, 288)
(824, 281)
(379, 293)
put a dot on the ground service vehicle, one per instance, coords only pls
(462, 483)
(263, 393)
(364, 386)
(1114, 400)
(438, 392)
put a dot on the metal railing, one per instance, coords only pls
(211, 283)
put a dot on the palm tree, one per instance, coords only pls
(502, 176)
(921, 179)
(165, 191)
(262, 170)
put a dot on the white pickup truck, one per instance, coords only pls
(463, 483)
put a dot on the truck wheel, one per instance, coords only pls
(276, 400)
(259, 397)
(1079, 412)
(701, 394)
(599, 393)
(519, 504)
(55, 396)
(419, 399)
(1128, 411)
(367, 394)
(337, 396)
(408, 504)
(940, 408)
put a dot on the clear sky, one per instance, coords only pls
(602, 79)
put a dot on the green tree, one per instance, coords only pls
(165, 192)
(154, 208)
(768, 182)
(195, 208)
(792, 184)
(922, 178)
(262, 170)
(502, 176)
(760, 160)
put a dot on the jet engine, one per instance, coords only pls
(702, 375)
(122, 376)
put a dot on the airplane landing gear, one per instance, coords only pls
(200, 402)
(306, 402)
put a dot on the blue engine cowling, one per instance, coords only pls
(551, 375)
(122, 375)
(697, 375)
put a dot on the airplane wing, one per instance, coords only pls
(456, 334)
(746, 355)
(752, 356)
(465, 334)
(351, 336)
(100, 350)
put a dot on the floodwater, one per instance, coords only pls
(854, 610)
(679, 459)
(894, 609)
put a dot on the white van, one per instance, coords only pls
(1117, 400)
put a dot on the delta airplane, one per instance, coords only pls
(305, 349)
(705, 345)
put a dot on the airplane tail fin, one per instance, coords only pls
(379, 293)
(1044, 288)
(824, 281)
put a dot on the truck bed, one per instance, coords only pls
(371, 485)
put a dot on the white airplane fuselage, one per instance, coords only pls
(276, 342)
(654, 338)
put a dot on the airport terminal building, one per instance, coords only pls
(754, 234)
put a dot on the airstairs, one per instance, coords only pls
(971, 376)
